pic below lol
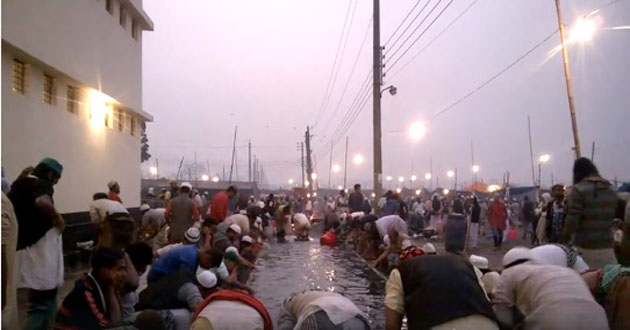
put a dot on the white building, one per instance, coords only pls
(72, 90)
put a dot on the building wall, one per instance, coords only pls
(90, 153)
(82, 40)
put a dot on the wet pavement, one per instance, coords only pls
(297, 266)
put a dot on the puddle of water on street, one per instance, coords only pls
(297, 266)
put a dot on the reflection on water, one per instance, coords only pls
(297, 266)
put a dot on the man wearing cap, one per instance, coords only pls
(172, 191)
(153, 226)
(191, 237)
(240, 220)
(226, 235)
(185, 257)
(114, 191)
(536, 296)
(181, 214)
(436, 292)
(39, 244)
(183, 289)
(219, 206)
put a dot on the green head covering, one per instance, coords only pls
(53, 164)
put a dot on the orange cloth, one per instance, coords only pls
(498, 215)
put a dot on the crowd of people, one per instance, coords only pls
(186, 263)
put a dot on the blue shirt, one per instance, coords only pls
(180, 258)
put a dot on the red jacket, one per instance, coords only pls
(498, 215)
(219, 206)
(234, 295)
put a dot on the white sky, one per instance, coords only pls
(264, 66)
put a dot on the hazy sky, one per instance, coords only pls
(265, 65)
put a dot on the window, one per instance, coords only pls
(123, 17)
(109, 120)
(134, 29)
(109, 6)
(121, 119)
(73, 99)
(48, 90)
(133, 126)
(19, 73)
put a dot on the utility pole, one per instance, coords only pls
(531, 149)
(249, 161)
(567, 77)
(376, 94)
(593, 152)
(196, 182)
(345, 167)
(431, 171)
(330, 166)
(157, 166)
(233, 153)
(309, 163)
(301, 146)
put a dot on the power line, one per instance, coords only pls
(484, 84)
(410, 24)
(363, 85)
(435, 38)
(402, 22)
(356, 60)
(421, 34)
(351, 114)
(392, 54)
(335, 68)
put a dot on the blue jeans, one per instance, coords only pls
(497, 234)
(41, 310)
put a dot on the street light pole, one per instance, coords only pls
(567, 77)
(376, 95)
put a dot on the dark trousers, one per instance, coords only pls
(497, 234)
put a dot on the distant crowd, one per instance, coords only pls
(186, 263)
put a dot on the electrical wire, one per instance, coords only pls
(497, 75)
(345, 88)
(402, 22)
(393, 53)
(336, 64)
(435, 38)
(420, 36)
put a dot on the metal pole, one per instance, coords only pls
(233, 153)
(302, 150)
(376, 94)
(330, 166)
(249, 172)
(309, 164)
(567, 77)
(157, 166)
(456, 179)
(345, 167)
(539, 173)
(531, 150)
(593, 152)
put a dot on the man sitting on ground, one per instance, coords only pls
(94, 302)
